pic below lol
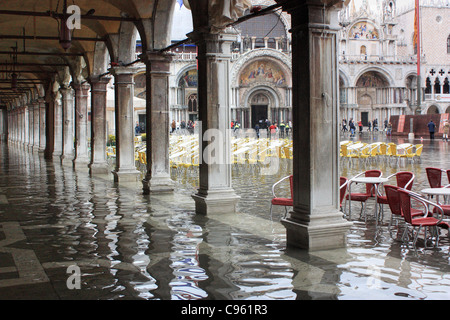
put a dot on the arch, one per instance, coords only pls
(364, 29)
(381, 72)
(371, 79)
(282, 59)
(250, 92)
(433, 109)
(263, 70)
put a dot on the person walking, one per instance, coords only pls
(352, 128)
(282, 126)
(446, 128)
(431, 128)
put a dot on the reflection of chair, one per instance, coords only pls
(362, 197)
(343, 182)
(434, 176)
(286, 202)
(425, 221)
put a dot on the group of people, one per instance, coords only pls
(372, 126)
(272, 128)
(445, 129)
(189, 126)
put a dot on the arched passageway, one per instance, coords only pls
(51, 80)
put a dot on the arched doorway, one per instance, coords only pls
(259, 104)
(372, 94)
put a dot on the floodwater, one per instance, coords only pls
(131, 246)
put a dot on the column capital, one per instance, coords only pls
(123, 70)
(98, 80)
(156, 61)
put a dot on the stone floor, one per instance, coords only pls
(55, 221)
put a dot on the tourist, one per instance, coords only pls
(282, 126)
(431, 128)
(389, 129)
(174, 126)
(352, 128)
(370, 126)
(344, 125)
(360, 125)
(257, 131)
(137, 129)
(445, 129)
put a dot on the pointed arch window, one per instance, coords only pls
(448, 44)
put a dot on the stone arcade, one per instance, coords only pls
(51, 114)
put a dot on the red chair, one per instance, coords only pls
(393, 201)
(343, 184)
(405, 180)
(434, 176)
(448, 176)
(362, 197)
(286, 202)
(425, 221)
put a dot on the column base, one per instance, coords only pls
(216, 202)
(158, 185)
(81, 163)
(67, 160)
(126, 175)
(322, 232)
(98, 168)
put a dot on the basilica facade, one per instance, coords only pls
(378, 67)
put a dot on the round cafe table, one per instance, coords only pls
(376, 181)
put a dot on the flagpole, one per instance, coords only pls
(417, 22)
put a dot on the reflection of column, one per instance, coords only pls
(42, 124)
(124, 92)
(68, 136)
(157, 112)
(215, 193)
(81, 121)
(315, 222)
(58, 140)
(98, 162)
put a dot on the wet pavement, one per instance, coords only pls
(54, 220)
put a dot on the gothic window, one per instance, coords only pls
(437, 86)
(428, 86)
(446, 87)
(192, 103)
(448, 44)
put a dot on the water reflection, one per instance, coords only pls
(132, 246)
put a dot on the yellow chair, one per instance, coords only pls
(418, 152)
(349, 156)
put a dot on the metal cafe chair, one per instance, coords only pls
(279, 201)
(343, 184)
(434, 176)
(362, 197)
(405, 180)
(425, 221)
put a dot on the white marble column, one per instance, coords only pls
(30, 126)
(68, 152)
(58, 141)
(36, 119)
(215, 194)
(157, 112)
(316, 222)
(124, 93)
(81, 159)
(42, 124)
(98, 163)
(26, 135)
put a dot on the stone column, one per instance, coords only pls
(58, 140)
(124, 93)
(98, 164)
(26, 135)
(42, 124)
(30, 126)
(68, 152)
(215, 193)
(36, 133)
(315, 222)
(81, 122)
(157, 178)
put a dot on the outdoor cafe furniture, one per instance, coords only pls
(280, 201)
(404, 179)
(425, 221)
(372, 179)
